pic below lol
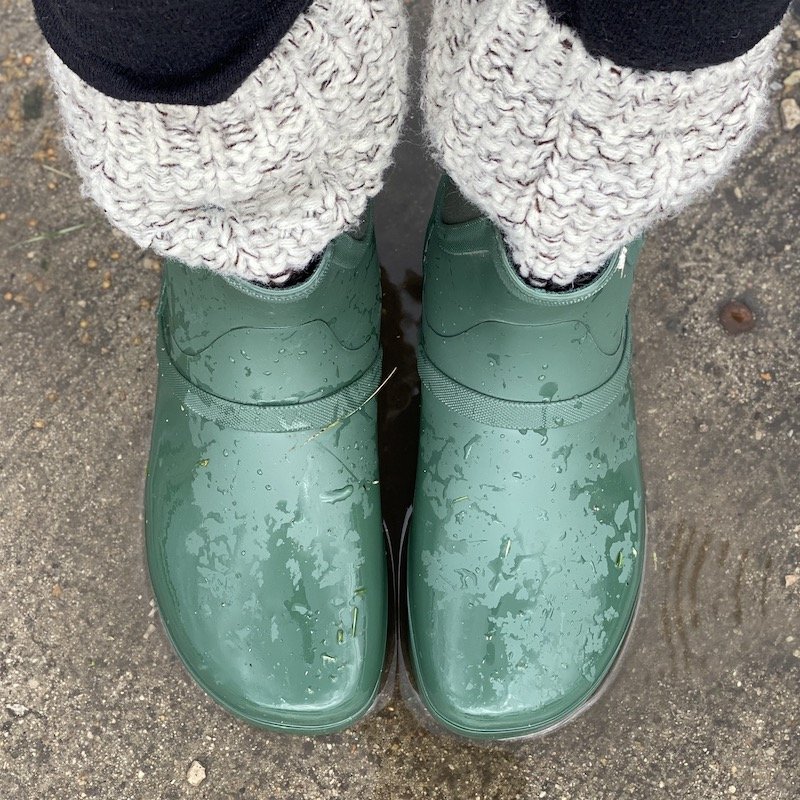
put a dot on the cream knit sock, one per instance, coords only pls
(257, 185)
(568, 154)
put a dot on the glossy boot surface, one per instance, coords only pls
(263, 524)
(526, 547)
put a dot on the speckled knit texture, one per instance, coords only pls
(257, 185)
(568, 154)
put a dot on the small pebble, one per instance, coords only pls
(38, 424)
(791, 580)
(790, 114)
(196, 774)
(17, 709)
(792, 79)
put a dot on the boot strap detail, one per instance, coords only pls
(510, 414)
(301, 416)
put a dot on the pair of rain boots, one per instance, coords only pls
(264, 537)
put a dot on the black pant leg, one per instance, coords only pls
(193, 52)
(669, 34)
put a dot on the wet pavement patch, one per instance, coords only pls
(33, 103)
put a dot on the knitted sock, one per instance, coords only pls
(569, 154)
(257, 185)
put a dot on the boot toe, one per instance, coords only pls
(265, 553)
(525, 566)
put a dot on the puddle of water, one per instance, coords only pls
(401, 212)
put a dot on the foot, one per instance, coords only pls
(263, 522)
(526, 547)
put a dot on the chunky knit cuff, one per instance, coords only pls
(257, 185)
(569, 154)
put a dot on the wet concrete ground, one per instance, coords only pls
(94, 703)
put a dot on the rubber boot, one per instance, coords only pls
(526, 545)
(263, 521)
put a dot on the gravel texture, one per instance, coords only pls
(92, 700)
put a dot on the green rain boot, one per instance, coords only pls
(526, 545)
(263, 523)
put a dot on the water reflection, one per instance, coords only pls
(398, 403)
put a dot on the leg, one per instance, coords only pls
(527, 543)
(262, 510)
(258, 184)
(572, 154)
